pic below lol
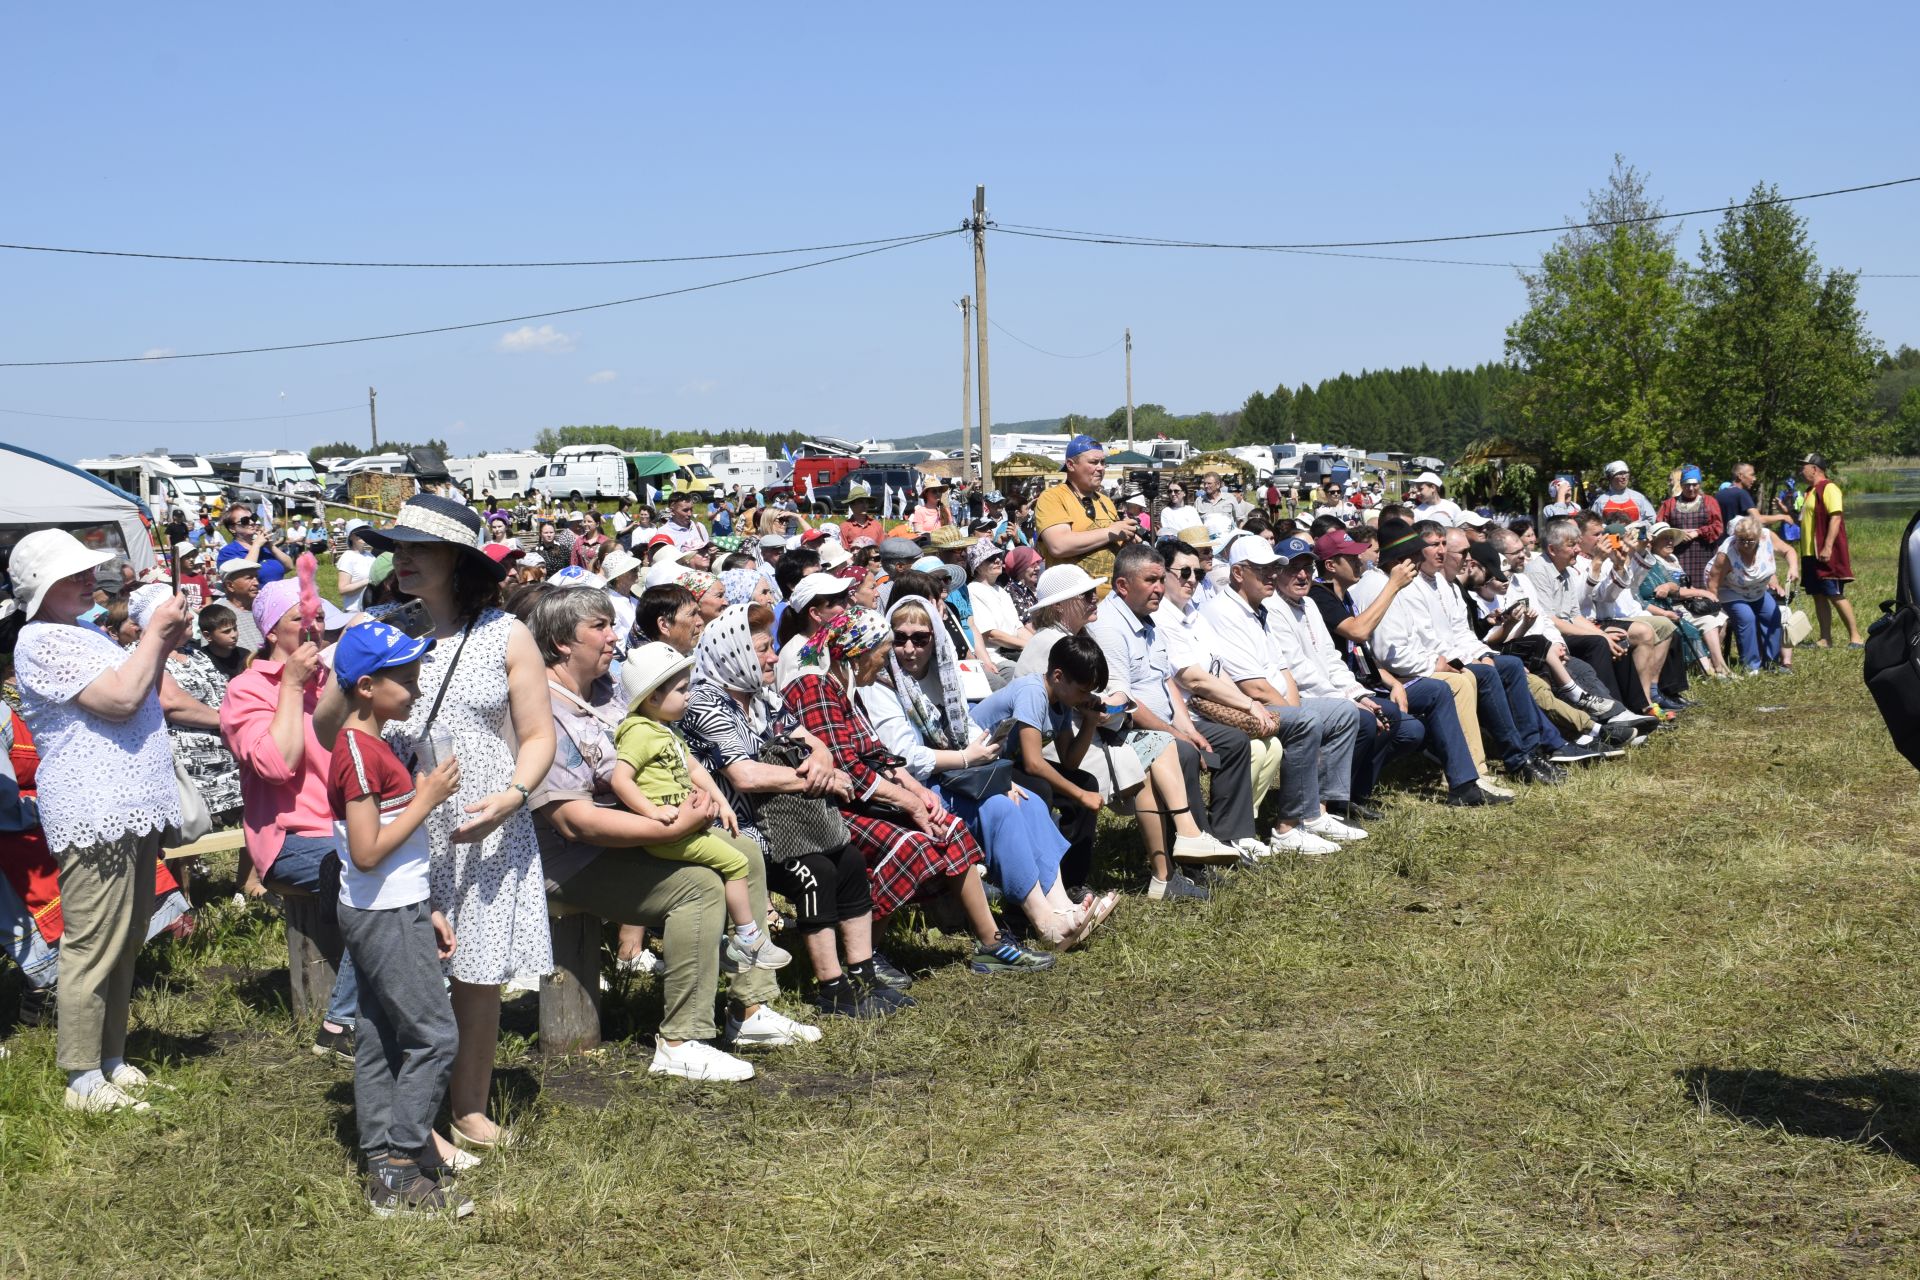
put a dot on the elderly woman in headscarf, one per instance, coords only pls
(916, 708)
(903, 830)
(731, 716)
(707, 591)
(747, 586)
(1022, 572)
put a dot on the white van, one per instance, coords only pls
(288, 477)
(580, 472)
(504, 475)
(166, 482)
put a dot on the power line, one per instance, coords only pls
(451, 266)
(476, 324)
(1100, 237)
(1055, 354)
(187, 422)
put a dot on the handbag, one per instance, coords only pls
(1232, 717)
(1796, 626)
(795, 825)
(196, 820)
(978, 782)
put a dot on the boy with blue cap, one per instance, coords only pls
(398, 942)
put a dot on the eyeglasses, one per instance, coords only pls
(246, 520)
(1185, 575)
(911, 639)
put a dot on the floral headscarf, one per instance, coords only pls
(725, 657)
(698, 581)
(945, 727)
(740, 584)
(848, 635)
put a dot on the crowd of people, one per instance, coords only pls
(771, 731)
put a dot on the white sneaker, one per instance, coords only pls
(1252, 851)
(133, 1080)
(106, 1097)
(1302, 842)
(697, 1060)
(767, 1028)
(1203, 848)
(1493, 788)
(1328, 827)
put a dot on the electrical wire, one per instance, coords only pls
(451, 266)
(477, 324)
(1100, 237)
(187, 422)
(1055, 354)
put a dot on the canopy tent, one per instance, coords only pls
(946, 468)
(1128, 460)
(646, 465)
(1018, 465)
(1201, 463)
(38, 492)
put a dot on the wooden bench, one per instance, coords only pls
(570, 995)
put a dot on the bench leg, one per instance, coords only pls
(313, 953)
(570, 995)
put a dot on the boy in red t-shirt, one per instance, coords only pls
(407, 1038)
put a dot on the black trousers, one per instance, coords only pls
(1230, 809)
(1618, 674)
(826, 888)
(1076, 821)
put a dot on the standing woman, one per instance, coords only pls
(107, 795)
(484, 684)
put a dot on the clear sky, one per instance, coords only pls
(480, 131)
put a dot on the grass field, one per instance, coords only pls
(1659, 1022)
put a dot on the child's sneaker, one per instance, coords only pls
(1008, 956)
(418, 1197)
(737, 956)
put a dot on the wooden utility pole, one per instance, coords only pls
(966, 387)
(1129, 334)
(980, 332)
(373, 419)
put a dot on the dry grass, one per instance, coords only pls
(1655, 1023)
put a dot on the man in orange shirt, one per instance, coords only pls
(1077, 523)
(862, 523)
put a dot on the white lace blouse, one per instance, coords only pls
(99, 779)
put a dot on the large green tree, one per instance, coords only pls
(1778, 359)
(1606, 312)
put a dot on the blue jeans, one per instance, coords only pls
(1374, 747)
(20, 938)
(1508, 712)
(1757, 627)
(312, 863)
(1431, 702)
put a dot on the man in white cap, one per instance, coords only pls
(1429, 505)
(1473, 524)
(1620, 502)
(355, 565)
(1317, 735)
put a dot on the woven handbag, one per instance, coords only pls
(1231, 717)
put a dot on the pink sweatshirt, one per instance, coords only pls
(278, 799)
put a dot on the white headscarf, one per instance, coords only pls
(936, 729)
(725, 657)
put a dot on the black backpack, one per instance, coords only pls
(1892, 660)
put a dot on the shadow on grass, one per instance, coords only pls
(1880, 1110)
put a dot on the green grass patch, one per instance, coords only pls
(1657, 1023)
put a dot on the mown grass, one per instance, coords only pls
(1655, 1023)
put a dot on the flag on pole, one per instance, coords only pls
(809, 486)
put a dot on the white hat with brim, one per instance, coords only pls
(232, 567)
(618, 564)
(1471, 520)
(664, 572)
(1063, 582)
(1427, 477)
(833, 554)
(816, 585)
(45, 557)
(649, 667)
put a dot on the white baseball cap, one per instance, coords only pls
(1252, 549)
(815, 585)
(1427, 477)
(1471, 519)
(1615, 468)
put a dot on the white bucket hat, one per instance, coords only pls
(649, 667)
(43, 558)
(833, 554)
(617, 563)
(1063, 582)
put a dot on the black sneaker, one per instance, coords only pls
(1356, 811)
(890, 974)
(419, 1197)
(843, 999)
(1472, 797)
(1573, 753)
(886, 999)
(1180, 889)
(37, 1006)
(334, 1044)
(1618, 735)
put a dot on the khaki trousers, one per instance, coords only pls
(1466, 705)
(1571, 720)
(106, 899)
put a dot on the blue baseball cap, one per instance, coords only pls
(1689, 475)
(374, 646)
(1083, 444)
(1290, 549)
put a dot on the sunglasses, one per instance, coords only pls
(243, 521)
(911, 639)
(1185, 575)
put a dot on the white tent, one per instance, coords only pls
(37, 492)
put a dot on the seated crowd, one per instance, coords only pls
(741, 747)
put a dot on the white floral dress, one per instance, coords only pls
(494, 892)
(203, 752)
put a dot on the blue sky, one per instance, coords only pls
(584, 131)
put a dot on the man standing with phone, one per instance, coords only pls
(1078, 524)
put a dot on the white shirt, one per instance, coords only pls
(1312, 656)
(686, 537)
(993, 609)
(1582, 590)
(897, 732)
(1441, 510)
(1408, 642)
(356, 565)
(1250, 645)
(1518, 591)
(1189, 637)
(1174, 519)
